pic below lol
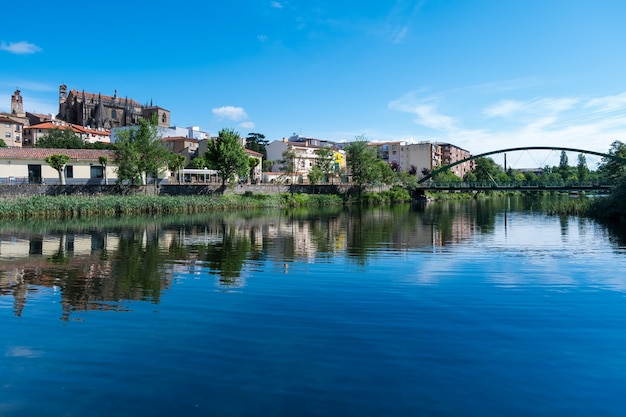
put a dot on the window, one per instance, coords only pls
(17, 138)
(7, 135)
(163, 118)
(113, 114)
(97, 172)
(69, 171)
(7, 125)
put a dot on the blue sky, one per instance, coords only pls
(484, 74)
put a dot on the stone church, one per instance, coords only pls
(98, 111)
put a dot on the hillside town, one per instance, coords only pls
(98, 119)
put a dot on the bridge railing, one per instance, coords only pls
(478, 185)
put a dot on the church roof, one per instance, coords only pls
(93, 96)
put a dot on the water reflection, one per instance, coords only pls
(103, 264)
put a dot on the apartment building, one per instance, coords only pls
(11, 132)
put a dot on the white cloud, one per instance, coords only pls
(427, 114)
(230, 113)
(569, 122)
(262, 38)
(507, 108)
(276, 5)
(19, 48)
(247, 125)
(608, 103)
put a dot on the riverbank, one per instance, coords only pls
(75, 206)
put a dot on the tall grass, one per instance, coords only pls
(39, 207)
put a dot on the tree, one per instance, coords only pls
(175, 163)
(61, 139)
(325, 161)
(104, 161)
(140, 152)
(315, 175)
(581, 168)
(363, 163)
(58, 161)
(2, 143)
(288, 162)
(612, 169)
(486, 169)
(227, 156)
(564, 169)
(252, 164)
(257, 142)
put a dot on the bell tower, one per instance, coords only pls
(17, 107)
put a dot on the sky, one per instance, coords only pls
(483, 75)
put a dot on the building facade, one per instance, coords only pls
(28, 166)
(11, 132)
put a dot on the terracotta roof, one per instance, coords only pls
(42, 153)
(103, 97)
(4, 119)
(251, 152)
(64, 126)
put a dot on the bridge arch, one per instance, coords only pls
(523, 148)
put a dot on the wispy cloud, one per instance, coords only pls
(426, 112)
(230, 113)
(572, 122)
(276, 5)
(19, 48)
(609, 103)
(507, 107)
(400, 19)
(247, 125)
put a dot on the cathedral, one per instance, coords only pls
(97, 111)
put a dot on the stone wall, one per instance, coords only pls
(28, 190)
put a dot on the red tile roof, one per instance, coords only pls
(42, 153)
(64, 126)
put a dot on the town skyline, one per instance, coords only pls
(483, 76)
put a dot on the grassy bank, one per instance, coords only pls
(44, 207)
(74, 206)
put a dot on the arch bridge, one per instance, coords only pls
(426, 183)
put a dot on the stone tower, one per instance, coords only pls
(17, 107)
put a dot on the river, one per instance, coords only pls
(477, 308)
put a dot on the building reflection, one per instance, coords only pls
(104, 268)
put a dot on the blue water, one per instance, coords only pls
(526, 317)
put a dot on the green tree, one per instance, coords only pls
(315, 174)
(581, 168)
(564, 169)
(257, 142)
(198, 163)
(252, 164)
(58, 161)
(140, 152)
(288, 162)
(60, 139)
(325, 161)
(175, 163)
(612, 169)
(3, 144)
(486, 169)
(362, 162)
(104, 161)
(387, 175)
(227, 156)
